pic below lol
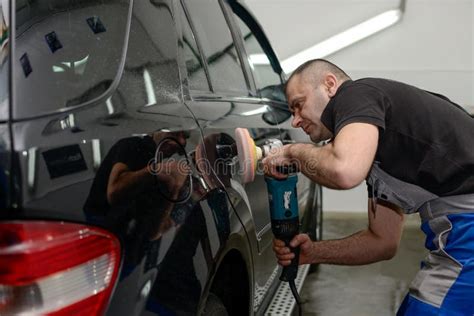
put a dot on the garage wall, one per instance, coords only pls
(431, 47)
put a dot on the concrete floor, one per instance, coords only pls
(376, 289)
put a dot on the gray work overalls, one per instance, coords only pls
(445, 283)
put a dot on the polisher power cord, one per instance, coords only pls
(290, 273)
(294, 291)
(157, 160)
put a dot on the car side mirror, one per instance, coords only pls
(278, 111)
(274, 92)
(276, 116)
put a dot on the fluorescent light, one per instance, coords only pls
(343, 39)
(96, 153)
(258, 59)
(72, 120)
(31, 171)
(336, 42)
(110, 106)
(81, 62)
(259, 110)
(150, 91)
(80, 65)
(58, 69)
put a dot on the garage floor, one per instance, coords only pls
(376, 289)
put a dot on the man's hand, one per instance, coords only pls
(378, 242)
(174, 175)
(278, 157)
(284, 255)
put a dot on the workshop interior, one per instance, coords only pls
(135, 142)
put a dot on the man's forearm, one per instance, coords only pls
(128, 184)
(344, 162)
(317, 163)
(361, 248)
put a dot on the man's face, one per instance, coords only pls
(307, 102)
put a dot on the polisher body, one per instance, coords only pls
(283, 202)
(282, 196)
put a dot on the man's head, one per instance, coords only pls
(308, 91)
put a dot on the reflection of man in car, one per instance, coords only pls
(135, 195)
(125, 189)
(127, 169)
(415, 150)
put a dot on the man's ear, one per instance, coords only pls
(330, 81)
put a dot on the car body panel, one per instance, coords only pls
(120, 92)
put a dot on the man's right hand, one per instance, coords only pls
(276, 160)
(284, 254)
(174, 175)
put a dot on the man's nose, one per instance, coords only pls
(296, 121)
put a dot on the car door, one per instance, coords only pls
(228, 100)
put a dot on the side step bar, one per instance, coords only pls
(283, 302)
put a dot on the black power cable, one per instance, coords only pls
(188, 161)
(294, 290)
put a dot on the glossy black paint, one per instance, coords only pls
(129, 126)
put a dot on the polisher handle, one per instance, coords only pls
(290, 272)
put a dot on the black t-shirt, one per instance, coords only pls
(135, 152)
(424, 138)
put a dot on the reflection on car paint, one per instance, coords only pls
(144, 211)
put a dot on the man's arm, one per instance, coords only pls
(124, 183)
(341, 164)
(378, 242)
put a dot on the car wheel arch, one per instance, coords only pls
(232, 282)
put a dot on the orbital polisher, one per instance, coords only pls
(281, 196)
(249, 154)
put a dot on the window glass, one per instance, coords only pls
(259, 63)
(67, 52)
(151, 74)
(196, 74)
(218, 46)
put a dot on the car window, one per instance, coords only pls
(151, 74)
(196, 73)
(218, 45)
(259, 62)
(67, 53)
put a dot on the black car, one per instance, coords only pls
(120, 190)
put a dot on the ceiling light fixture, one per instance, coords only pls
(343, 39)
(150, 90)
(339, 41)
(259, 110)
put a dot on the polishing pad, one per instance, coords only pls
(248, 154)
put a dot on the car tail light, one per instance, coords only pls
(56, 268)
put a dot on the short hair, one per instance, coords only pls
(316, 68)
